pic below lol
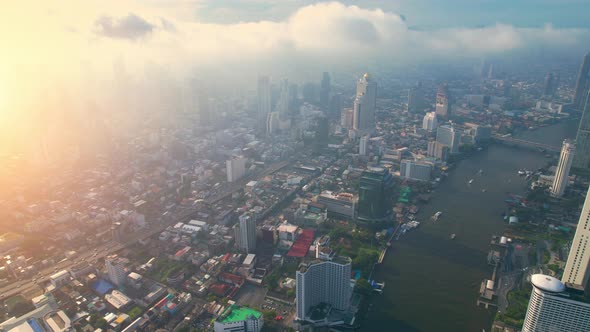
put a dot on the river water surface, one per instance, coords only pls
(432, 282)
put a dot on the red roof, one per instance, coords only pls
(231, 278)
(225, 258)
(301, 245)
(220, 289)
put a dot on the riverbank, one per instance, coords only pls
(432, 281)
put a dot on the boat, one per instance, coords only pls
(437, 215)
(453, 236)
(483, 190)
(480, 172)
(389, 244)
(470, 181)
(521, 172)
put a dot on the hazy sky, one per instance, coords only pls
(52, 46)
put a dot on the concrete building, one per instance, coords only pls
(415, 170)
(117, 269)
(245, 233)
(551, 308)
(449, 136)
(239, 319)
(438, 150)
(60, 278)
(325, 92)
(235, 168)
(323, 282)
(416, 98)
(264, 103)
(582, 84)
(347, 118)
(443, 106)
(561, 179)
(364, 105)
(430, 123)
(338, 204)
(576, 272)
(364, 145)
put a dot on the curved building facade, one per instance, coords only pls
(551, 309)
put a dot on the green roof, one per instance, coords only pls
(237, 314)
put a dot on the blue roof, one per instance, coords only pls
(102, 287)
(35, 325)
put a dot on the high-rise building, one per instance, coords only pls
(562, 172)
(322, 132)
(239, 319)
(582, 84)
(338, 204)
(365, 104)
(325, 282)
(336, 105)
(552, 309)
(438, 150)
(364, 145)
(449, 136)
(443, 107)
(325, 92)
(430, 123)
(415, 170)
(235, 168)
(375, 192)
(117, 269)
(347, 118)
(550, 85)
(264, 104)
(283, 102)
(245, 233)
(416, 98)
(577, 271)
(581, 163)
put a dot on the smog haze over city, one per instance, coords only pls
(281, 165)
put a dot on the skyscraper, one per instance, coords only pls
(117, 269)
(562, 172)
(443, 107)
(551, 309)
(283, 102)
(449, 136)
(264, 104)
(322, 133)
(364, 145)
(438, 150)
(235, 168)
(364, 105)
(581, 163)
(245, 233)
(415, 170)
(582, 84)
(323, 282)
(375, 192)
(576, 272)
(325, 92)
(416, 98)
(430, 123)
(549, 85)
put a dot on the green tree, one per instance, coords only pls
(363, 286)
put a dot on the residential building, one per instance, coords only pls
(245, 233)
(443, 107)
(239, 319)
(430, 123)
(117, 269)
(235, 168)
(346, 118)
(438, 150)
(551, 308)
(576, 272)
(561, 179)
(449, 136)
(364, 105)
(326, 282)
(415, 170)
(582, 84)
(375, 192)
(364, 145)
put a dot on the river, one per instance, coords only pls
(432, 282)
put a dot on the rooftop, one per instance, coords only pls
(237, 314)
(547, 283)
